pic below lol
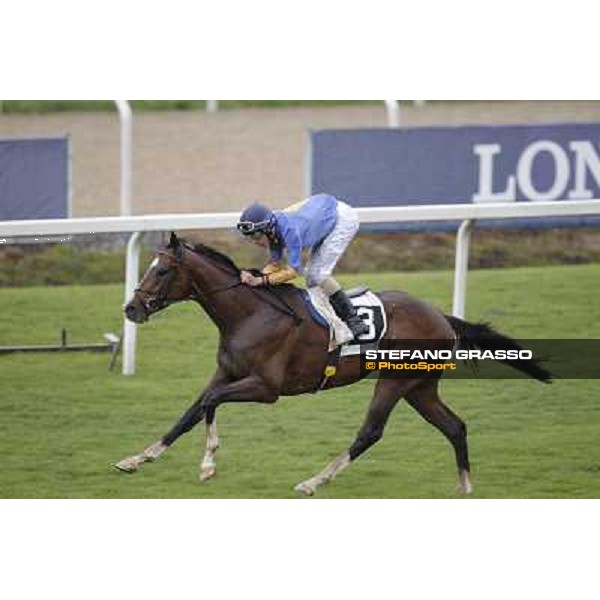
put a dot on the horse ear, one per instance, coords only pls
(173, 241)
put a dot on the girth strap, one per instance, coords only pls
(333, 359)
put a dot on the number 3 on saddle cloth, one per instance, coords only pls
(341, 342)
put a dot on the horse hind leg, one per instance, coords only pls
(387, 394)
(309, 486)
(426, 401)
(208, 466)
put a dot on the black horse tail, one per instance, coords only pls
(482, 336)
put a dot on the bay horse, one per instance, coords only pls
(262, 332)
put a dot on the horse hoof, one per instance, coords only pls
(207, 474)
(126, 466)
(305, 489)
(464, 483)
(465, 488)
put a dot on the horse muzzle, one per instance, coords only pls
(136, 311)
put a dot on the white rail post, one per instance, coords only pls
(393, 112)
(126, 162)
(212, 106)
(461, 267)
(132, 268)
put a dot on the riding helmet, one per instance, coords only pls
(256, 218)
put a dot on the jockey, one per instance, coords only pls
(320, 225)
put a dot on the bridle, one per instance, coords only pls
(160, 300)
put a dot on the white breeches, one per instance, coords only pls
(322, 261)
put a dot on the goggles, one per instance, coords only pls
(251, 228)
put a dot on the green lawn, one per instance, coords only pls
(65, 418)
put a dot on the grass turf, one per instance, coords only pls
(65, 418)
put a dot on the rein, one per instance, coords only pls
(161, 299)
(284, 307)
(198, 292)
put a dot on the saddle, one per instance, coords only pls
(368, 307)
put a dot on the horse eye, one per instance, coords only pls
(162, 271)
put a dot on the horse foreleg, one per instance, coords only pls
(133, 463)
(208, 466)
(387, 394)
(152, 452)
(194, 414)
(248, 389)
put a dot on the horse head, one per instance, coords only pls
(166, 281)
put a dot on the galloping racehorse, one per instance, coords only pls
(263, 329)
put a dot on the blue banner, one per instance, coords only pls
(455, 165)
(34, 179)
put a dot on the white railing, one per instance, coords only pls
(393, 113)
(137, 225)
(125, 119)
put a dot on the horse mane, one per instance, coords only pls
(216, 256)
(225, 261)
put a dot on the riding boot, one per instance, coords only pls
(345, 310)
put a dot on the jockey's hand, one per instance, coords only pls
(251, 280)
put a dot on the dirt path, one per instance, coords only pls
(194, 161)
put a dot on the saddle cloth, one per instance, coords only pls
(369, 307)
